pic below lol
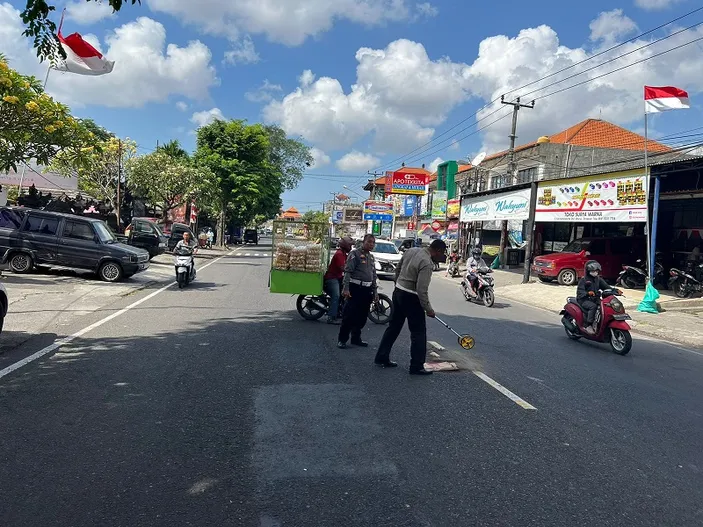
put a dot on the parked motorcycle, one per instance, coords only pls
(184, 264)
(635, 276)
(610, 322)
(484, 286)
(685, 284)
(315, 307)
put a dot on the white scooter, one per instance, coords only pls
(185, 266)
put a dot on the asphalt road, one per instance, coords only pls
(218, 405)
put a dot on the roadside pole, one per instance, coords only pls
(530, 234)
(119, 182)
(512, 167)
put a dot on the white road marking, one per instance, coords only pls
(62, 342)
(502, 389)
(247, 254)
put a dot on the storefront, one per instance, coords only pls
(606, 205)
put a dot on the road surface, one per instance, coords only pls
(218, 405)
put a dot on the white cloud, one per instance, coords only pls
(290, 22)
(611, 25)
(242, 52)
(399, 95)
(147, 69)
(456, 145)
(320, 159)
(182, 106)
(652, 5)
(356, 161)
(505, 64)
(87, 13)
(263, 93)
(207, 116)
(435, 164)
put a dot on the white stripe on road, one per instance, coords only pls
(502, 389)
(57, 344)
(247, 254)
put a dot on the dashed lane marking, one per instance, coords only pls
(502, 389)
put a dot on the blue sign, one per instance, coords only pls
(337, 216)
(378, 217)
(409, 205)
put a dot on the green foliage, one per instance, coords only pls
(167, 182)
(287, 156)
(174, 149)
(318, 224)
(32, 125)
(39, 27)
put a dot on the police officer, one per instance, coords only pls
(359, 290)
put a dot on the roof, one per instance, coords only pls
(593, 133)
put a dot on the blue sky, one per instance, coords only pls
(366, 83)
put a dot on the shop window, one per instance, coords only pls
(527, 175)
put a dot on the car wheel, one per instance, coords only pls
(21, 263)
(110, 272)
(567, 277)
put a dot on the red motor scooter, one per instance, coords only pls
(610, 322)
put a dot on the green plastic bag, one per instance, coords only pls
(649, 302)
(496, 263)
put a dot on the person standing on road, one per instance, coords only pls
(411, 301)
(334, 276)
(359, 288)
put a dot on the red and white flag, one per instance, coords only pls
(662, 98)
(81, 57)
(193, 213)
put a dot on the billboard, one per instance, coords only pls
(378, 211)
(409, 205)
(453, 208)
(513, 205)
(352, 215)
(621, 196)
(337, 216)
(439, 205)
(409, 183)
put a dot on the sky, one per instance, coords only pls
(368, 84)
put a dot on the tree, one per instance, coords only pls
(321, 221)
(43, 30)
(32, 125)
(99, 170)
(288, 156)
(167, 182)
(173, 149)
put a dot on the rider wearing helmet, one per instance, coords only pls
(472, 265)
(588, 293)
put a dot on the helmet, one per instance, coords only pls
(592, 265)
(476, 252)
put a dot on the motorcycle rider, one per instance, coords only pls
(472, 266)
(189, 243)
(588, 291)
(453, 260)
(334, 276)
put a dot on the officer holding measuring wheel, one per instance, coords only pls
(359, 290)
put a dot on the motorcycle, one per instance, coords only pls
(184, 265)
(684, 284)
(635, 276)
(453, 268)
(484, 286)
(315, 307)
(610, 321)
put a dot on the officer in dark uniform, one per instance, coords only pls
(359, 290)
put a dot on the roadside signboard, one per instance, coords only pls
(378, 211)
(439, 205)
(352, 215)
(408, 183)
(513, 205)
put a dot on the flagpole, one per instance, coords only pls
(646, 178)
(46, 80)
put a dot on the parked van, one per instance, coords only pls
(31, 237)
(567, 266)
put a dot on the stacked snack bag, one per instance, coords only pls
(313, 255)
(297, 259)
(283, 256)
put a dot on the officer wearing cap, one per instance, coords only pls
(359, 290)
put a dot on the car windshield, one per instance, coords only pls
(104, 233)
(159, 229)
(397, 243)
(576, 246)
(385, 248)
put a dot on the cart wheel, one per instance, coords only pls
(467, 342)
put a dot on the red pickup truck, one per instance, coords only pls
(568, 265)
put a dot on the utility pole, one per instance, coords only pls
(119, 182)
(512, 166)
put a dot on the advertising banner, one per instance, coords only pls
(337, 216)
(439, 204)
(513, 205)
(453, 208)
(378, 211)
(409, 205)
(352, 215)
(388, 189)
(620, 196)
(408, 183)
